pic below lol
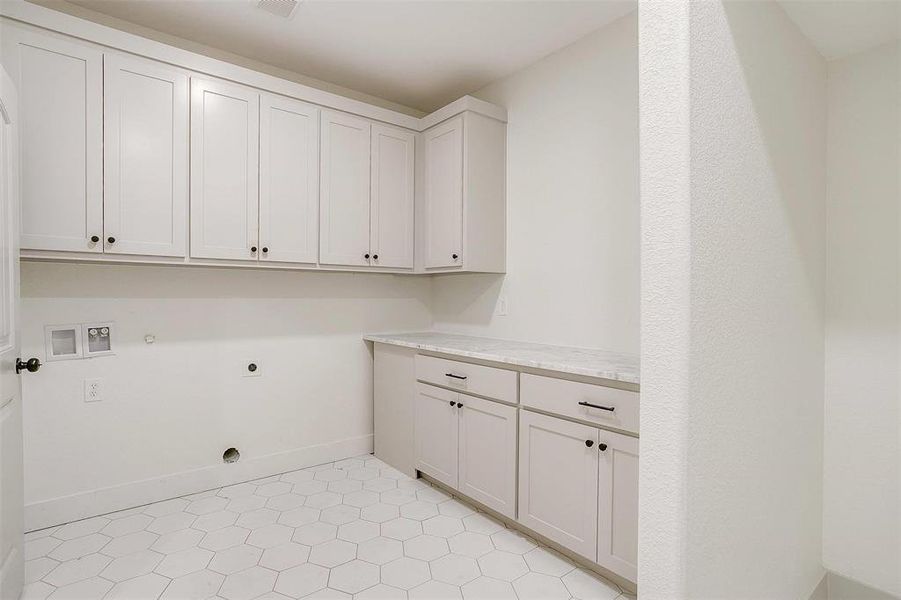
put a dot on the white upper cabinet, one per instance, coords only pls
(60, 85)
(463, 199)
(289, 180)
(344, 190)
(224, 170)
(392, 173)
(444, 194)
(145, 197)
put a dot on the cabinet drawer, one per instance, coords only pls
(563, 397)
(474, 379)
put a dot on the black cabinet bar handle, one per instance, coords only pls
(590, 405)
(455, 376)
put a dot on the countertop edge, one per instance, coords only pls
(497, 358)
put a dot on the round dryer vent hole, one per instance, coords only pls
(231, 455)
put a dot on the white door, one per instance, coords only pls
(488, 453)
(558, 481)
(435, 433)
(224, 166)
(11, 497)
(145, 157)
(60, 88)
(618, 504)
(391, 228)
(289, 180)
(344, 190)
(444, 194)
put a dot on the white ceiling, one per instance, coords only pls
(839, 28)
(422, 54)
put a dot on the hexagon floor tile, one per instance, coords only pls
(356, 528)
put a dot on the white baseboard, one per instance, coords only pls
(66, 509)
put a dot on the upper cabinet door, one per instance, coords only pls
(344, 190)
(618, 504)
(60, 88)
(289, 180)
(145, 197)
(391, 234)
(224, 169)
(444, 194)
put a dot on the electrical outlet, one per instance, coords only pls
(251, 368)
(501, 309)
(93, 390)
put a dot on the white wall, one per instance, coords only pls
(176, 405)
(862, 505)
(737, 402)
(572, 203)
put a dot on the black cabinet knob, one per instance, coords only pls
(459, 405)
(375, 257)
(265, 249)
(31, 365)
(253, 249)
(602, 447)
(454, 256)
(589, 443)
(366, 256)
(453, 403)
(252, 367)
(95, 238)
(111, 240)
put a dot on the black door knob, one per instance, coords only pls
(454, 256)
(253, 249)
(589, 443)
(111, 240)
(265, 249)
(31, 365)
(95, 238)
(602, 447)
(366, 256)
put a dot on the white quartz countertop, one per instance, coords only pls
(563, 359)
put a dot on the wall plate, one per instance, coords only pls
(62, 342)
(97, 339)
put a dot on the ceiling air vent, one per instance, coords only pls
(279, 8)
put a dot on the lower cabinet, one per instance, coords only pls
(558, 481)
(618, 504)
(469, 444)
(435, 433)
(578, 486)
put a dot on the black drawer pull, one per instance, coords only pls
(590, 405)
(455, 376)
